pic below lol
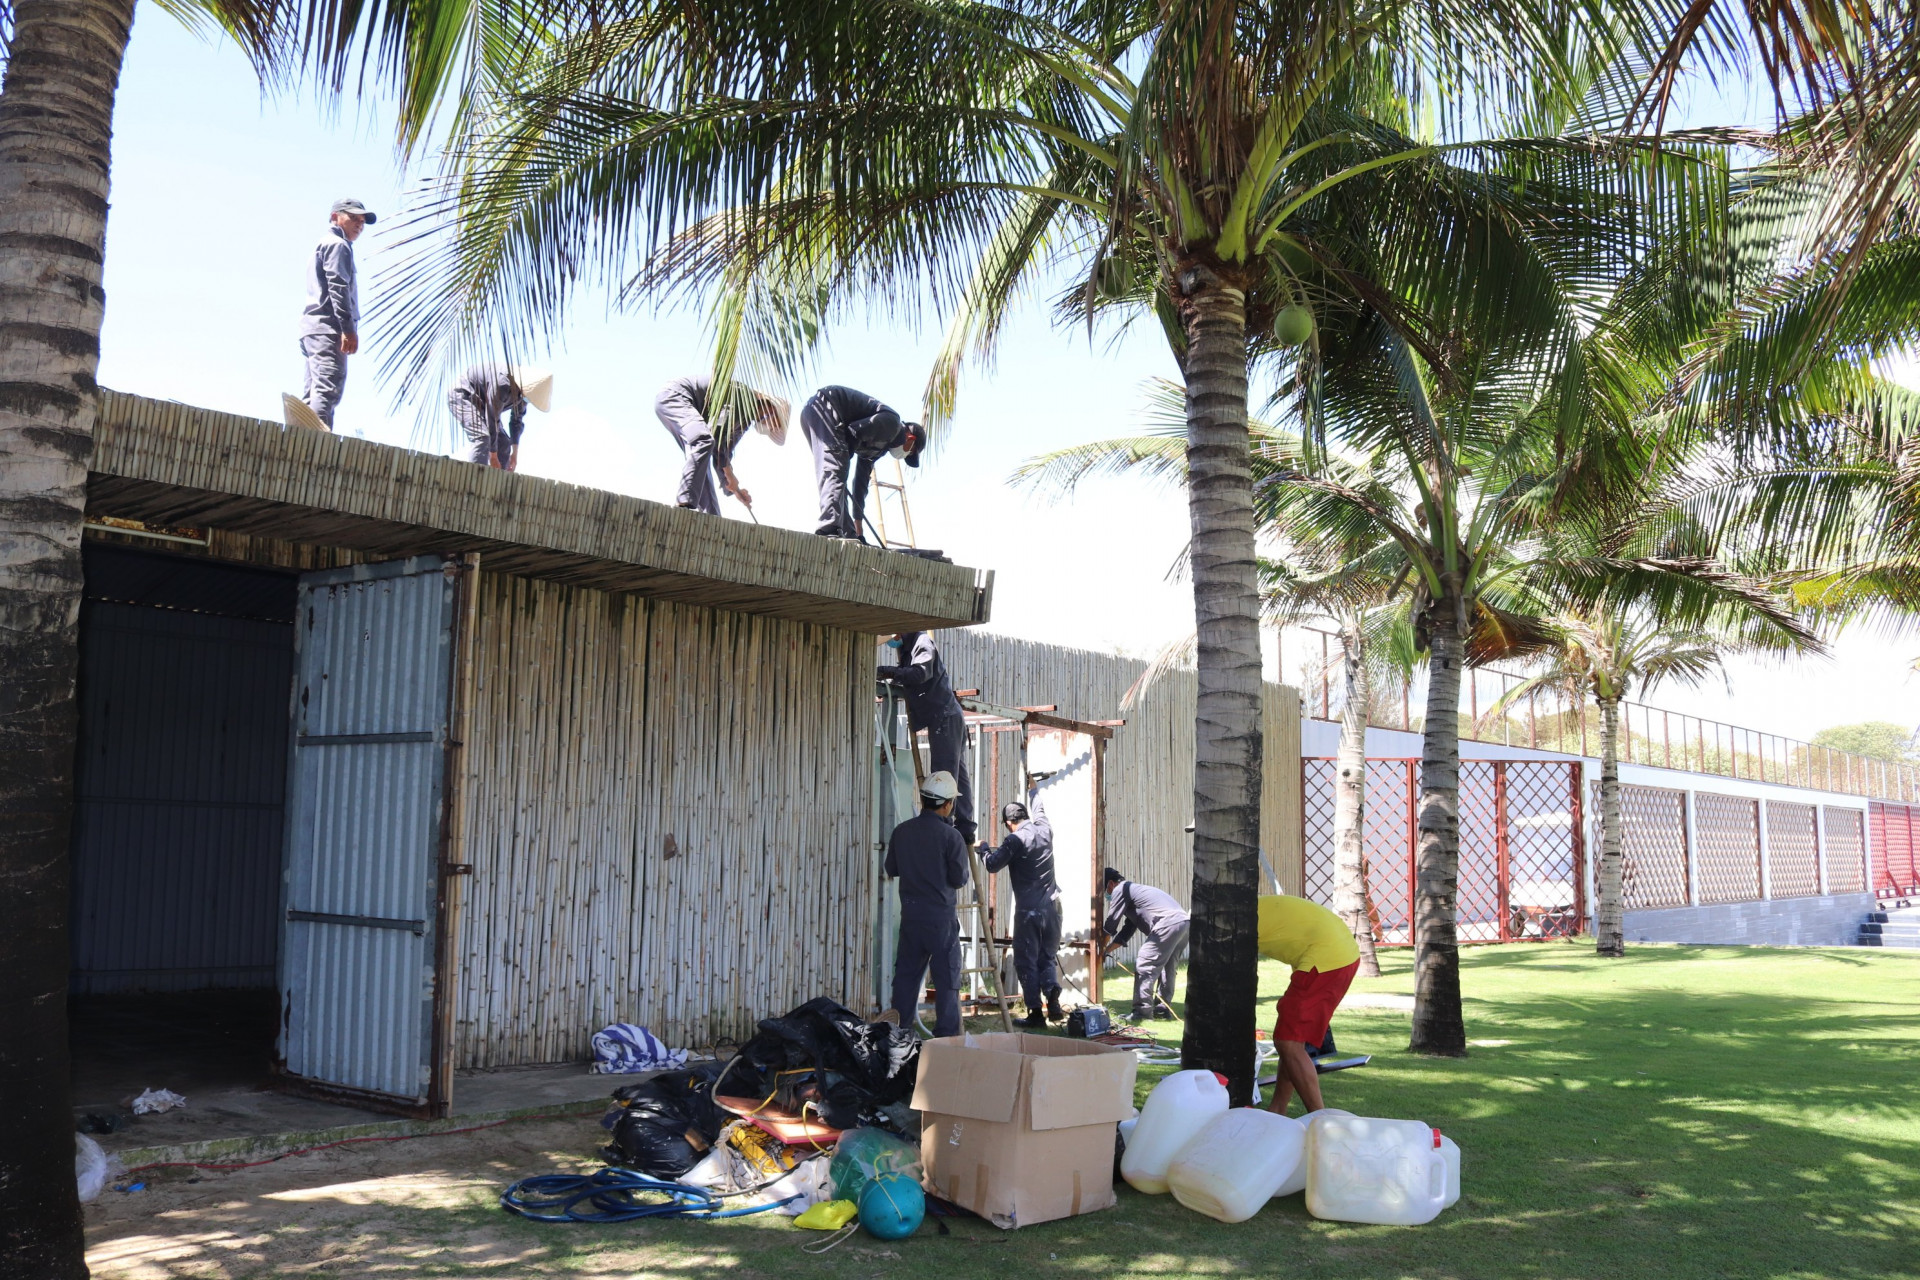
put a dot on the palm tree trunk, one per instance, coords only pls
(1438, 1026)
(1609, 924)
(1350, 799)
(1222, 968)
(56, 115)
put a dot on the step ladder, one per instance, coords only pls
(983, 941)
(898, 533)
(982, 930)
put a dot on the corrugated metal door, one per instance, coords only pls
(370, 714)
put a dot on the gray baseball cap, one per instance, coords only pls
(355, 208)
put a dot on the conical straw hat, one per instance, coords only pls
(773, 425)
(535, 384)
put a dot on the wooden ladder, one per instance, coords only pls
(902, 533)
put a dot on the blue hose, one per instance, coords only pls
(612, 1195)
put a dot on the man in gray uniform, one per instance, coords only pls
(489, 401)
(932, 707)
(330, 322)
(929, 859)
(842, 424)
(1163, 926)
(709, 439)
(1027, 855)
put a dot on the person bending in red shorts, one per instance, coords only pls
(1324, 957)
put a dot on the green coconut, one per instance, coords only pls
(1114, 276)
(1294, 325)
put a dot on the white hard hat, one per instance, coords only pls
(535, 384)
(940, 786)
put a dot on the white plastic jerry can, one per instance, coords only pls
(1176, 1110)
(1451, 1151)
(1298, 1182)
(1365, 1169)
(1236, 1163)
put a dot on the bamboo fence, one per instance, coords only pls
(667, 821)
(1149, 763)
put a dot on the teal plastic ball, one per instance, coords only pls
(892, 1206)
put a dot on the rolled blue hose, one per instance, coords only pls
(612, 1195)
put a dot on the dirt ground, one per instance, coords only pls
(424, 1207)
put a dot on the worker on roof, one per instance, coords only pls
(1323, 955)
(1162, 922)
(843, 424)
(709, 438)
(929, 859)
(1027, 856)
(932, 708)
(330, 322)
(490, 401)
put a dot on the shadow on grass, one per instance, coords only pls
(1678, 1119)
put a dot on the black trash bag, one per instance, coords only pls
(824, 1054)
(663, 1125)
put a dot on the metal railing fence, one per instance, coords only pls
(1549, 719)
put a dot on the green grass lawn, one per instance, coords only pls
(1686, 1112)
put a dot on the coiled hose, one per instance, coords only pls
(612, 1195)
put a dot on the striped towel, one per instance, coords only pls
(623, 1048)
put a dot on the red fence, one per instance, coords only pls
(1522, 853)
(1896, 849)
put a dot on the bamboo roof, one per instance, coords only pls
(163, 462)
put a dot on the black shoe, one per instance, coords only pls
(1034, 1019)
(1054, 1011)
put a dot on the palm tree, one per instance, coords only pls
(1241, 173)
(1356, 587)
(1611, 653)
(56, 108)
(1472, 482)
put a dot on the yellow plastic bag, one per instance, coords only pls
(828, 1215)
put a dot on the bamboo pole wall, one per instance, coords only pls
(1149, 764)
(668, 816)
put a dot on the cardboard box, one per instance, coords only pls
(1019, 1128)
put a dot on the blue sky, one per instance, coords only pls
(218, 195)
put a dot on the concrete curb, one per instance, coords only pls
(264, 1146)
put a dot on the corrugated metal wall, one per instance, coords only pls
(668, 812)
(1149, 766)
(180, 774)
(363, 837)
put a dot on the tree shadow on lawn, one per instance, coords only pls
(1640, 1132)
